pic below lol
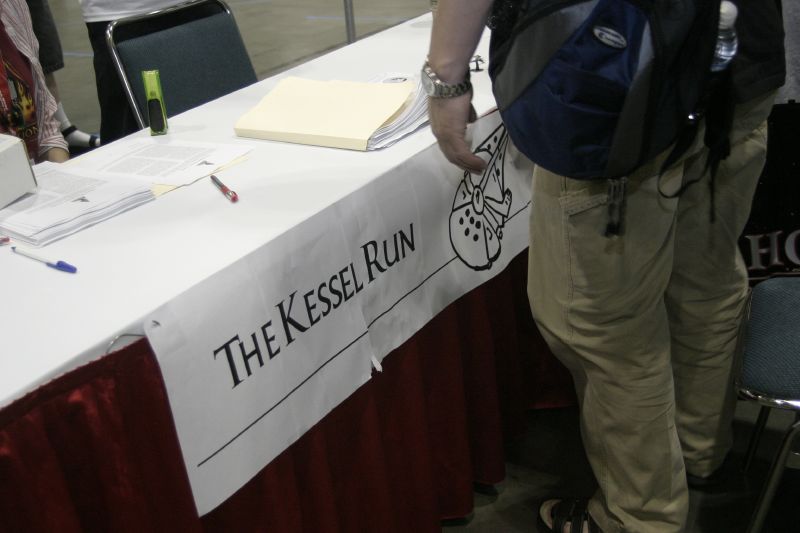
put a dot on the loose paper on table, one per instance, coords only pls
(161, 161)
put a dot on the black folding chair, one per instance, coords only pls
(771, 372)
(195, 46)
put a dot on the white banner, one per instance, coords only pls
(261, 351)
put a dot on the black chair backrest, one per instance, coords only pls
(196, 47)
(771, 362)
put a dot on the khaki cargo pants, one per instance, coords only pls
(647, 322)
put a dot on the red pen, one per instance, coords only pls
(229, 194)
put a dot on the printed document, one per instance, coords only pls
(66, 202)
(159, 161)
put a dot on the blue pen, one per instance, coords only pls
(58, 265)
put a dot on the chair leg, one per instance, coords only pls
(793, 461)
(773, 478)
(755, 437)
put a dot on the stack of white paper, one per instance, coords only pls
(66, 202)
(412, 116)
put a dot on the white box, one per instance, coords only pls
(16, 174)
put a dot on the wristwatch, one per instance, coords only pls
(436, 88)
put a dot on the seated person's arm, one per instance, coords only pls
(56, 155)
(52, 145)
(19, 36)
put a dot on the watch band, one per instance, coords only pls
(436, 88)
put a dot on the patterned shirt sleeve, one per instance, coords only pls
(17, 20)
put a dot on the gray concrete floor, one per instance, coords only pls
(549, 459)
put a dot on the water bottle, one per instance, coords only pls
(727, 43)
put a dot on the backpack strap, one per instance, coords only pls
(719, 113)
(719, 124)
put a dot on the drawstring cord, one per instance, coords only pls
(719, 123)
(616, 206)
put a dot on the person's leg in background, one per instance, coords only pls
(708, 288)
(599, 302)
(116, 117)
(52, 59)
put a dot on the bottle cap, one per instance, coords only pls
(727, 15)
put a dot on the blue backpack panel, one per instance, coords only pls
(593, 88)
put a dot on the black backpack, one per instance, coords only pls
(593, 88)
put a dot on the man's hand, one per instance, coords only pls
(449, 118)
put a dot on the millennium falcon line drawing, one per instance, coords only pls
(480, 210)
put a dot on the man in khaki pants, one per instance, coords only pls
(646, 321)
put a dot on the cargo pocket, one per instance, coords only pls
(594, 260)
(574, 204)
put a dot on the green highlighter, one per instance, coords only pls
(156, 110)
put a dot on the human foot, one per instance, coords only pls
(567, 516)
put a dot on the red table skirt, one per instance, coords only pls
(96, 449)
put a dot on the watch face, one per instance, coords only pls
(427, 83)
(435, 88)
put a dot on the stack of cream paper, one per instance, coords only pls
(66, 202)
(338, 114)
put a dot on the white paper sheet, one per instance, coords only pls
(162, 161)
(411, 117)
